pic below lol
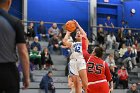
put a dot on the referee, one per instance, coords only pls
(11, 37)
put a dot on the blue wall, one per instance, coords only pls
(112, 9)
(58, 11)
(115, 9)
(16, 8)
(133, 21)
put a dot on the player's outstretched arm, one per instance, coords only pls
(65, 40)
(80, 28)
(84, 48)
(82, 32)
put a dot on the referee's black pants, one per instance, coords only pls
(9, 78)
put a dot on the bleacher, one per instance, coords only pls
(61, 80)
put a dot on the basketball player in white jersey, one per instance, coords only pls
(77, 64)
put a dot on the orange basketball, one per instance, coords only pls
(70, 26)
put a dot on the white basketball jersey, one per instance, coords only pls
(76, 50)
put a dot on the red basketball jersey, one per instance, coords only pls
(97, 69)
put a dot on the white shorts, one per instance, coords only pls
(75, 65)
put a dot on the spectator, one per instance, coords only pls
(128, 58)
(124, 25)
(123, 77)
(47, 83)
(62, 32)
(30, 31)
(111, 41)
(134, 56)
(136, 43)
(36, 44)
(108, 23)
(110, 60)
(35, 57)
(133, 89)
(54, 44)
(42, 30)
(53, 30)
(122, 51)
(46, 59)
(120, 37)
(129, 38)
(100, 35)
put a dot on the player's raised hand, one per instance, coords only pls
(77, 24)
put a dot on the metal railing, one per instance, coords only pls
(44, 22)
(136, 29)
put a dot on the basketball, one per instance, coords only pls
(70, 26)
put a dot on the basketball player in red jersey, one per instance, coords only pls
(98, 71)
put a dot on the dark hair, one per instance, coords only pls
(123, 21)
(98, 52)
(2, 1)
(49, 72)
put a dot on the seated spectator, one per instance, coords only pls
(110, 60)
(123, 77)
(30, 31)
(133, 89)
(36, 44)
(129, 38)
(134, 56)
(111, 41)
(42, 30)
(120, 37)
(54, 44)
(122, 51)
(35, 57)
(100, 35)
(46, 59)
(127, 58)
(47, 83)
(62, 32)
(53, 30)
(136, 43)
(114, 76)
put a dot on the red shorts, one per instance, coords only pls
(102, 87)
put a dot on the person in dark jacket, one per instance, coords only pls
(129, 38)
(54, 44)
(30, 31)
(42, 30)
(47, 83)
(36, 44)
(100, 35)
(133, 89)
(46, 59)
